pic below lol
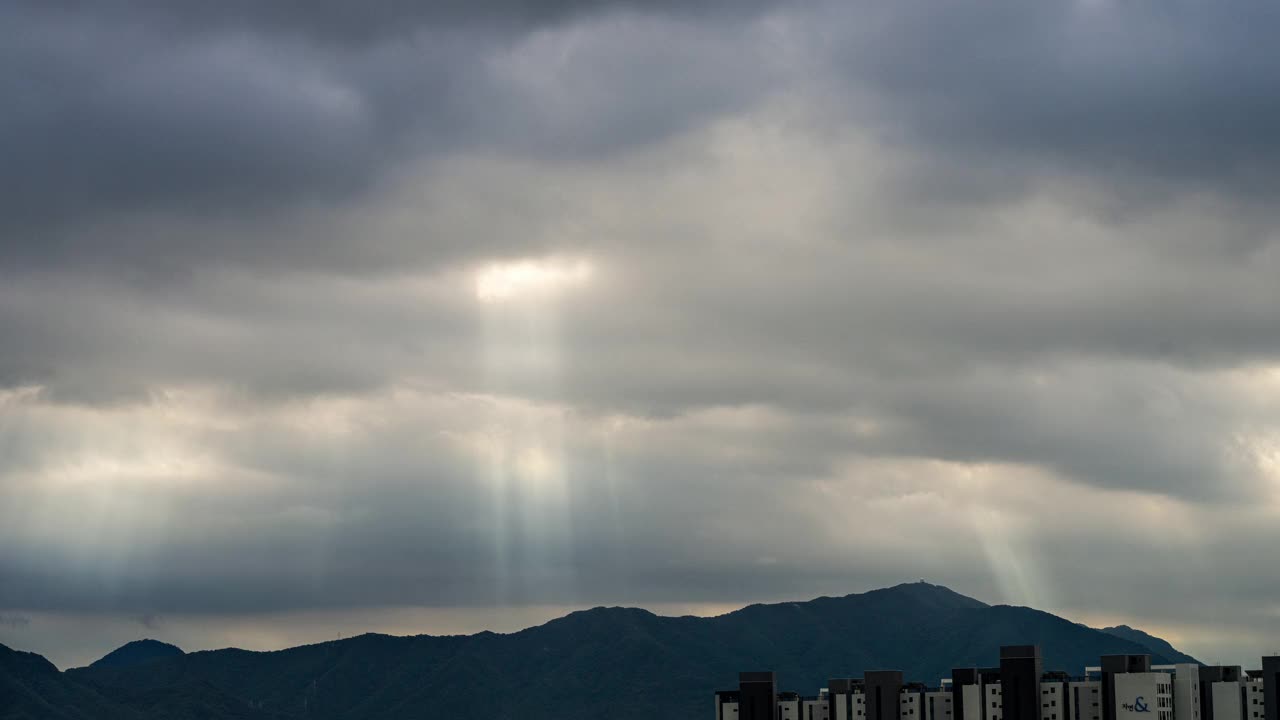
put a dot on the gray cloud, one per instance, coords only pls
(1136, 91)
(119, 133)
(622, 303)
(339, 23)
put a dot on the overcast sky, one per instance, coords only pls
(322, 317)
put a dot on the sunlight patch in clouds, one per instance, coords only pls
(503, 281)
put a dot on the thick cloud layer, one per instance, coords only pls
(122, 128)
(405, 317)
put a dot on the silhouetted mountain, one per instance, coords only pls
(32, 688)
(1156, 644)
(614, 662)
(137, 652)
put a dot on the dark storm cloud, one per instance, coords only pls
(235, 109)
(333, 21)
(113, 117)
(1180, 93)
(107, 116)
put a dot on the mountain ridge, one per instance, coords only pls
(616, 661)
(137, 652)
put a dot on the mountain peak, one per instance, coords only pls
(137, 652)
(921, 591)
(603, 615)
(610, 611)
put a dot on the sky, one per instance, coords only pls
(319, 318)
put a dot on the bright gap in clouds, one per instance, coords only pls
(503, 281)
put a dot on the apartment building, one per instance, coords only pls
(1121, 687)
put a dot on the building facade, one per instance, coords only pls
(1120, 687)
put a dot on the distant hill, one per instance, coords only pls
(606, 662)
(1156, 644)
(136, 653)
